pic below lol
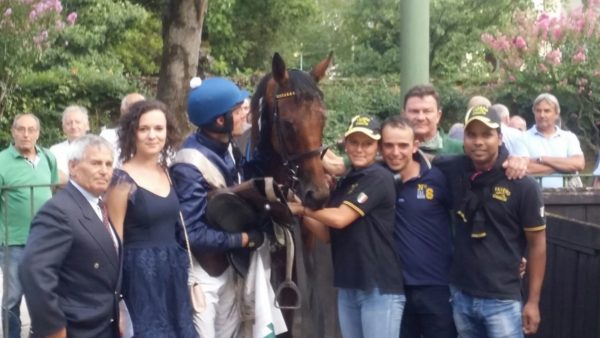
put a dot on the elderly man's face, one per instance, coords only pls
(94, 171)
(75, 124)
(25, 133)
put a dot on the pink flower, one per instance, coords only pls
(8, 12)
(557, 33)
(520, 43)
(554, 57)
(71, 18)
(542, 24)
(597, 73)
(543, 68)
(580, 56)
(487, 38)
(38, 39)
(33, 15)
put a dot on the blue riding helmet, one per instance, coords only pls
(216, 96)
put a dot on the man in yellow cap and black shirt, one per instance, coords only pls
(498, 221)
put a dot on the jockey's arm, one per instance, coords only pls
(192, 191)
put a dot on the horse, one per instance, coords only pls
(288, 120)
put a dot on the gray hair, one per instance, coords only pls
(549, 98)
(503, 112)
(478, 100)
(75, 108)
(79, 146)
(18, 117)
(130, 99)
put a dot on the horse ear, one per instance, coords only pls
(279, 70)
(318, 72)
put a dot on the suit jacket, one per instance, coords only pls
(71, 272)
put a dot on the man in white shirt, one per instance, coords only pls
(511, 137)
(551, 149)
(75, 123)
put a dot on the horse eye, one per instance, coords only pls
(288, 126)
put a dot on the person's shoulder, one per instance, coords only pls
(7, 153)
(56, 146)
(379, 170)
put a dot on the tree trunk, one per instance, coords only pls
(182, 33)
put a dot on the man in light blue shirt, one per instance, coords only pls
(551, 149)
(511, 138)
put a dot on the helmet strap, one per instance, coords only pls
(225, 128)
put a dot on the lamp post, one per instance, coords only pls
(299, 54)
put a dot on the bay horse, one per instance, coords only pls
(288, 120)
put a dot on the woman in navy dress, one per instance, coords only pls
(144, 209)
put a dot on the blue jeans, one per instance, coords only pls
(486, 317)
(12, 290)
(369, 313)
(427, 313)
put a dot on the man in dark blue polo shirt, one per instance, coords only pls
(423, 233)
(498, 221)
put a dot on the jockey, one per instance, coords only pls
(204, 163)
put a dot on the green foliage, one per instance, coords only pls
(47, 93)
(26, 31)
(455, 28)
(140, 49)
(242, 34)
(348, 97)
(86, 64)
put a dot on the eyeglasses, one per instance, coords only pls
(22, 130)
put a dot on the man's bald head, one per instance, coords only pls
(130, 99)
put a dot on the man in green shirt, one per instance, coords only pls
(423, 111)
(23, 164)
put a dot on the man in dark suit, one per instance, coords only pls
(71, 266)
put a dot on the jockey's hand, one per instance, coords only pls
(516, 167)
(255, 239)
(296, 208)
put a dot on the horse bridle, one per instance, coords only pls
(289, 161)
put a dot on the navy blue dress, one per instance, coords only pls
(155, 266)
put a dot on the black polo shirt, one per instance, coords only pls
(363, 253)
(488, 267)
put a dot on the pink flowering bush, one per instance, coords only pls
(557, 53)
(27, 28)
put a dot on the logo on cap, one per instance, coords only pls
(487, 115)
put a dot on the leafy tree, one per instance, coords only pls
(244, 34)
(546, 52)
(87, 64)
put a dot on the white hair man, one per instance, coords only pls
(75, 123)
(551, 149)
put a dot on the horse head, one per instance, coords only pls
(288, 118)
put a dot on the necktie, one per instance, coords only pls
(105, 221)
